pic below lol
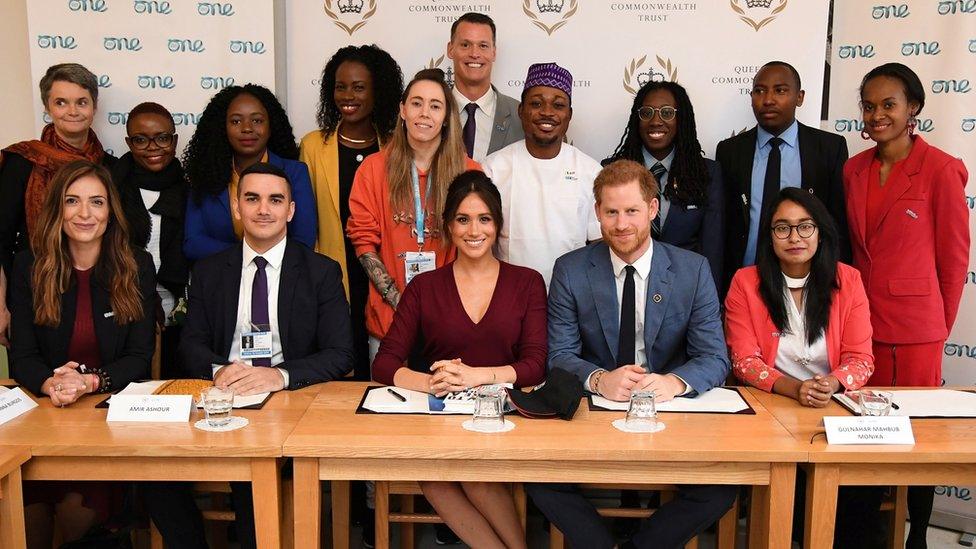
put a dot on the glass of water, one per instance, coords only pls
(217, 405)
(874, 403)
(489, 408)
(642, 412)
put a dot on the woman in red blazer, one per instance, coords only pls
(797, 324)
(800, 297)
(909, 230)
(909, 225)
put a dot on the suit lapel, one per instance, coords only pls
(746, 150)
(231, 289)
(808, 161)
(857, 201)
(499, 126)
(657, 297)
(291, 273)
(604, 289)
(897, 184)
(62, 333)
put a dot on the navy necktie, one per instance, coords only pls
(772, 178)
(259, 304)
(626, 343)
(469, 129)
(658, 170)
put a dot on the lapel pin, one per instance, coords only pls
(657, 298)
(912, 214)
(109, 314)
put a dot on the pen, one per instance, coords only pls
(398, 396)
(895, 406)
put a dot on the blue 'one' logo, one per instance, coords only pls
(247, 46)
(225, 9)
(968, 124)
(216, 82)
(186, 118)
(114, 43)
(156, 82)
(952, 7)
(56, 42)
(925, 125)
(853, 52)
(104, 81)
(920, 48)
(118, 118)
(152, 6)
(87, 5)
(892, 11)
(848, 125)
(185, 45)
(951, 86)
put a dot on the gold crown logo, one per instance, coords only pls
(550, 6)
(757, 24)
(350, 6)
(668, 72)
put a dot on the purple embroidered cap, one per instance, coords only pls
(550, 75)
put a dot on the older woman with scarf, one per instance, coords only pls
(153, 190)
(69, 93)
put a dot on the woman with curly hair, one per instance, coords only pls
(661, 134)
(358, 108)
(242, 125)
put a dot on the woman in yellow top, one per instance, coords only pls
(359, 102)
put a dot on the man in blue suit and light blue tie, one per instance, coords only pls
(627, 314)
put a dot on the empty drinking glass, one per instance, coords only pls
(217, 405)
(874, 403)
(489, 408)
(642, 412)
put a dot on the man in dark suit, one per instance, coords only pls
(489, 118)
(617, 349)
(779, 152)
(266, 315)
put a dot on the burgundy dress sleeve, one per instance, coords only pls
(530, 366)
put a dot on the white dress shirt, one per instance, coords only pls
(273, 270)
(649, 161)
(794, 356)
(484, 119)
(149, 199)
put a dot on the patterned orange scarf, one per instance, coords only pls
(48, 155)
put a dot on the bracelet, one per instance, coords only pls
(104, 382)
(386, 291)
(596, 381)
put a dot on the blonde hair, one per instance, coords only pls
(448, 161)
(53, 265)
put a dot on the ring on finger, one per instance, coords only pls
(58, 387)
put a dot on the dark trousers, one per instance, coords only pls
(693, 510)
(175, 513)
(920, 500)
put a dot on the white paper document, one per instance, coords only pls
(148, 387)
(924, 403)
(14, 403)
(383, 400)
(718, 400)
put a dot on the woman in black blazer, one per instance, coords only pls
(82, 315)
(661, 134)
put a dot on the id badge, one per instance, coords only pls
(255, 345)
(418, 262)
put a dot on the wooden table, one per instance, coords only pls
(76, 443)
(332, 442)
(11, 496)
(944, 452)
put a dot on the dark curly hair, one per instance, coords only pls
(688, 166)
(387, 87)
(208, 157)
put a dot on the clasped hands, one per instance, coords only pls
(448, 376)
(816, 391)
(246, 380)
(619, 383)
(67, 384)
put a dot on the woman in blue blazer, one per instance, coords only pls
(661, 134)
(241, 125)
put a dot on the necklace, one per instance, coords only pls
(357, 141)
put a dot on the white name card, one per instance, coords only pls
(158, 408)
(869, 430)
(14, 403)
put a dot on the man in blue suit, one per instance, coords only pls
(627, 314)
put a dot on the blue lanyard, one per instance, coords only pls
(419, 215)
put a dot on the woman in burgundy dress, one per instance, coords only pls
(476, 321)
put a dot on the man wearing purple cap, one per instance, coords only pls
(546, 185)
(487, 116)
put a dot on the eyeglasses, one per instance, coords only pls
(805, 230)
(667, 113)
(162, 140)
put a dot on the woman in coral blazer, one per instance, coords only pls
(909, 223)
(797, 322)
(909, 230)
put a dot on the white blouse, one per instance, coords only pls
(795, 357)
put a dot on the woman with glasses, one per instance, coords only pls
(153, 193)
(661, 134)
(909, 225)
(797, 324)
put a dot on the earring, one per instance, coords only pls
(864, 135)
(912, 123)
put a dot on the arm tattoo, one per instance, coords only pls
(378, 275)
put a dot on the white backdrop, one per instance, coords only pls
(712, 47)
(177, 53)
(937, 39)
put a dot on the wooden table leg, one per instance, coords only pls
(821, 505)
(340, 514)
(771, 512)
(308, 504)
(12, 532)
(266, 490)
